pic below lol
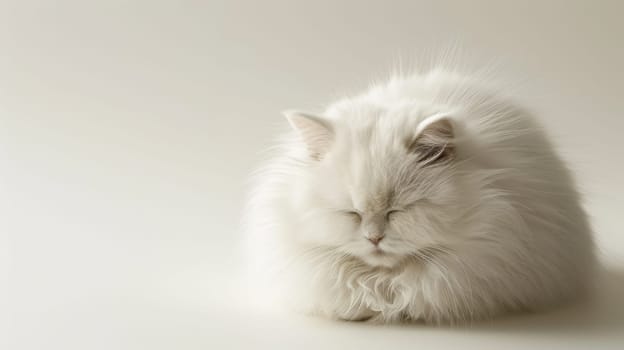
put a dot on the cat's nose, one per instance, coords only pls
(375, 239)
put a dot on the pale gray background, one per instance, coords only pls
(128, 128)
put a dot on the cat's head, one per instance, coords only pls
(379, 185)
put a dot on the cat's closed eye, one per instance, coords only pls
(352, 214)
(391, 213)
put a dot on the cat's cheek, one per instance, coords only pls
(327, 230)
(343, 231)
(413, 229)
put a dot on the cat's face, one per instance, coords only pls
(376, 190)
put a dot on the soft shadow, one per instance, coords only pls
(601, 314)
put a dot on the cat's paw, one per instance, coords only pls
(359, 316)
(357, 319)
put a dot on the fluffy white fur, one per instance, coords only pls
(477, 213)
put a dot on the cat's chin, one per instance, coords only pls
(380, 258)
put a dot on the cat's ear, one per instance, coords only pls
(317, 133)
(434, 140)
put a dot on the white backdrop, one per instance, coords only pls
(128, 128)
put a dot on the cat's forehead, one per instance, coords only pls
(377, 129)
(373, 200)
(378, 184)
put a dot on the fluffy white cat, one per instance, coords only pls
(431, 197)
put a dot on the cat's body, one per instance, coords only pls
(427, 198)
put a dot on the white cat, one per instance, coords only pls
(431, 197)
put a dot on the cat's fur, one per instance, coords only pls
(478, 214)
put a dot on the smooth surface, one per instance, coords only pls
(128, 129)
